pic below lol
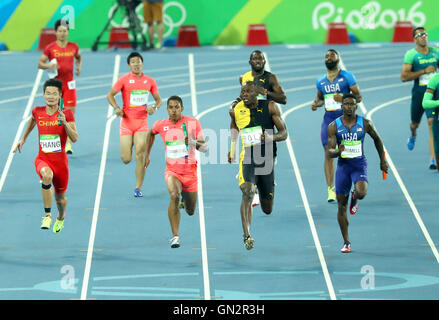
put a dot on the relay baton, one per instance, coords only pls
(60, 108)
(384, 172)
(185, 134)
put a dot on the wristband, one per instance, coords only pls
(116, 107)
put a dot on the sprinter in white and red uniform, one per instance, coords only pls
(51, 163)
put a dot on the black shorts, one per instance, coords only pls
(260, 175)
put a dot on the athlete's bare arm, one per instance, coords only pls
(150, 137)
(333, 151)
(370, 129)
(318, 101)
(355, 89)
(234, 132)
(113, 103)
(30, 126)
(278, 94)
(408, 75)
(42, 63)
(78, 59)
(279, 123)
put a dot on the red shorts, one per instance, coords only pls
(189, 182)
(60, 173)
(128, 126)
(69, 96)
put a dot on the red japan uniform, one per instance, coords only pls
(180, 162)
(65, 58)
(52, 140)
(135, 93)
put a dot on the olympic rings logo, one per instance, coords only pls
(171, 10)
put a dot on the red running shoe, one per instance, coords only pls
(346, 247)
(353, 208)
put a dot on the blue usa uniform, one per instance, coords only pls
(352, 164)
(341, 85)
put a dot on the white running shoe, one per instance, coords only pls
(175, 242)
(255, 200)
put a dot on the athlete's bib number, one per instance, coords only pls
(352, 149)
(251, 136)
(176, 149)
(71, 84)
(50, 143)
(423, 79)
(330, 103)
(138, 98)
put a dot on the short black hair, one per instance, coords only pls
(176, 98)
(416, 29)
(257, 51)
(348, 95)
(133, 55)
(53, 83)
(335, 51)
(61, 22)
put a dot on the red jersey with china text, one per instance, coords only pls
(51, 136)
(135, 94)
(178, 158)
(65, 58)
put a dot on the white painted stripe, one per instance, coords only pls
(369, 45)
(298, 46)
(25, 119)
(204, 259)
(307, 208)
(360, 104)
(99, 190)
(401, 183)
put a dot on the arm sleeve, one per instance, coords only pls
(154, 88)
(352, 81)
(69, 115)
(408, 57)
(118, 85)
(155, 127)
(428, 102)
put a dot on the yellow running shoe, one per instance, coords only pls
(331, 194)
(69, 149)
(57, 227)
(46, 222)
(249, 242)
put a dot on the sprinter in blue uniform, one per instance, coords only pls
(345, 141)
(330, 89)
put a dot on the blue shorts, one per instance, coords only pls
(349, 173)
(327, 119)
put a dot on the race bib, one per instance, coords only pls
(251, 136)
(138, 98)
(50, 143)
(352, 149)
(423, 79)
(71, 84)
(176, 149)
(331, 104)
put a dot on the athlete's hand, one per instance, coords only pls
(147, 161)
(18, 146)
(341, 148)
(54, 66)
(150, 110)
(78, 70)
(118, 112)
(62, 117)
(384, 166)
(430, 69)
(314, 106)
(266, 137)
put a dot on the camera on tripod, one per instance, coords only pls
(134, 26)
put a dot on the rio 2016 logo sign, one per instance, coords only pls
(369, 16)
(174, 15)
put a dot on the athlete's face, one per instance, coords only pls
(249, 94)
(421, 37)
(62, 33)
(331, 60)
(136, 65)
(349, 106)
(257, 61)
(174, 110)
(52, 96)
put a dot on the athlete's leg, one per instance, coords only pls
(190, 201)
(140, 149)
(61, 203)
(47, 192)
(126, 148)
(342, 216)
(248, 191)
(174, 188)
(360, 189)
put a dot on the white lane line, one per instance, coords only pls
(25, 119)
(401, 183)
(307, 208)
(204, 258)
(110, 117)
(360, 104)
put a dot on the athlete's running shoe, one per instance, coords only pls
(46, 222)
(346, 247)
(433, 165)
(353, 208)
(138, 193)
(175, 242)
(69, 149)
(249, 242)
(255, 201)
(411, 142)
(331, 194)
(58, 226)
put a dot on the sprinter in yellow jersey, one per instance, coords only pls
(255, 120)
